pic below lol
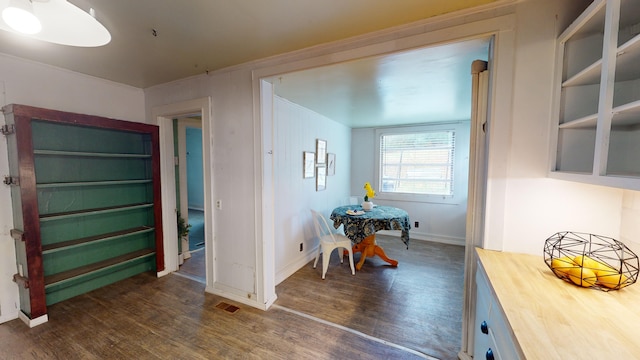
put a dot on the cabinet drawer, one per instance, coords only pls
(502, 335)
(482, 340)
(493, 339)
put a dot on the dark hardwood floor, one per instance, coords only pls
(417, 305)
(375, 314)
(194, 267)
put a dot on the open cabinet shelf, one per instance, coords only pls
(87, 202)
(64, 285)
(89, 212)
(92, 183)
(65, 245)
(588, 76)
(598, 96)
(89, 154)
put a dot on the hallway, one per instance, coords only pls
(196, 232)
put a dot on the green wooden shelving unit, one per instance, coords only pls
(86, 202)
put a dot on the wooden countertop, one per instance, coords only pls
(552, 319)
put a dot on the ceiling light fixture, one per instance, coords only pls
(61, 22)
(19, 16)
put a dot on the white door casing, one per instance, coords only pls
(163, 116)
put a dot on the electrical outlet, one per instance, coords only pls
(301, 247)
(219, 204)
(416, 224)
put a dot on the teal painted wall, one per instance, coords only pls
(195, 176)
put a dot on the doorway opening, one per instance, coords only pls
(164, 117)
(190, 194)
(427, 88)
(273, 83)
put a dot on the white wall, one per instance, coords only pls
(535, 207)
(518, 133)
(630, 229)
(233, 145)
(34, 84)
(440, 222)
(296, 130)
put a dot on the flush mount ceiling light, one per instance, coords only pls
(19, 16)
(61, 22)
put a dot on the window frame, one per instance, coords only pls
(460, 163)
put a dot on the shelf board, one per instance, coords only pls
(629, 176)
(99, 211)
(65, 245)
(627, 61)
(623, 115)
(590, 21)
(93, 183)
(584, 122)
(89, 154)
(623, 182)
(588, 76)
(66, 276)
(626, 115)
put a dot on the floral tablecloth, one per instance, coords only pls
(358, 227)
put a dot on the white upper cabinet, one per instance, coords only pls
(598, 97)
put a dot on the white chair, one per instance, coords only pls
(328, 242)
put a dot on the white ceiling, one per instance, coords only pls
(425, 85)
(197, 36)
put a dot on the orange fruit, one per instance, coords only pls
(611, 279)
(582, 276)
(561, 266)
(590, 263)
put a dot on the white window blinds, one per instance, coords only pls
(418, 162)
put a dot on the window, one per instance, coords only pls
(418, 163)
(423, 163)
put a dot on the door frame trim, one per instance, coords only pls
(163, 117)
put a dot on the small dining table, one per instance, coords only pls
(360, 226)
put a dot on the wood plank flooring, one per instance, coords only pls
(194, 267)
(417, 305)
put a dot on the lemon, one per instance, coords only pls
(582, 276)
(590, 263)
(611, 279)
(561, 266)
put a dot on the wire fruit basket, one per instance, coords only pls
(591, 261)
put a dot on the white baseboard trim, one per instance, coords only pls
(163, 273)
(33, 322)
(427, 237)
(246, 300)
(8, 317)
(295, 266)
